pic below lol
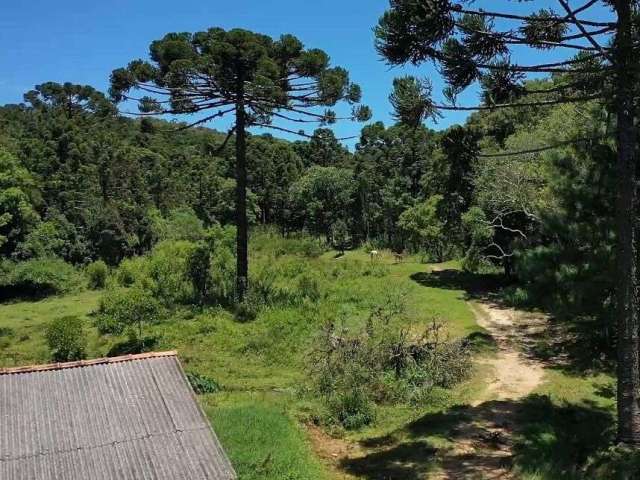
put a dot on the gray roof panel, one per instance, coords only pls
(127, 418)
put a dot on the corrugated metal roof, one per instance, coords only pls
(125, 418)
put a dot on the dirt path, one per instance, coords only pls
(483, 446)
(482, 442)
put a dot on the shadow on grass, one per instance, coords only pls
(555, 441)
(552, 441)
(133, 346)
(578, 343)
(475, 285)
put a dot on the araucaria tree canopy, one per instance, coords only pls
(602, 51)
(263, 82)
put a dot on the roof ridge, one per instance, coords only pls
(86, 363)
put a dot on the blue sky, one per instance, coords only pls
(82, 41)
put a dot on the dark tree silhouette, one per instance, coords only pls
(467, 47)
(242, 73)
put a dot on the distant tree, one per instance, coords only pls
(323, 196)
(425, 228)
(273, 167)
(239, 72)
(18, 193)
(340, 235)
(70, 98)
(323, 149)
(468, 47)
(392, 167)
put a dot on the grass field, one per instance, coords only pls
(261, 411)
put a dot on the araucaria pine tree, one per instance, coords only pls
(600, 39)
(244, 74)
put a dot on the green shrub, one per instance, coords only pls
(352, 409)
(616, 463)
(97, 273)
(178, 224)
(202, 384)
(375, 269)
(199, 271)
(168, 272)
(249, 309)
(516, 297)
(223, 275)
(67, 339)
(121, 309)
(133, 270)
(273, 244)
(38, 277)
(7, 332)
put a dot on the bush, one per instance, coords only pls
(168, 272)
(516, 297)
(179, 224)
(352, 409)
(121, 309)
(66, 338)
(202, 384)
(38, 277)
(274, 244)
(133, 271)
(97, 273)
(199, 271)
(249, 309)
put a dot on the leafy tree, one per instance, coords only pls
(392, 167)
(273, 167)
(425, 228)
(468, 47)
(237, 72)
(18, 213)
(323, 196)
(323, 149)
(340, 235)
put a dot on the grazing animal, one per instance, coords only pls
(398, 257)
(374, 254)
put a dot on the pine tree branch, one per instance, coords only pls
(583, 8)
(580, 25)
(219, 150)
(509, 16)
(220, 113)
(541, 103)
(299, 133)
(511, 39)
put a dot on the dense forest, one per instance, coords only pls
(82, 183)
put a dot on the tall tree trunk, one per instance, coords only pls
(242, 225)
(628, 398)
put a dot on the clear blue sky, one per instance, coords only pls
(84, 40)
